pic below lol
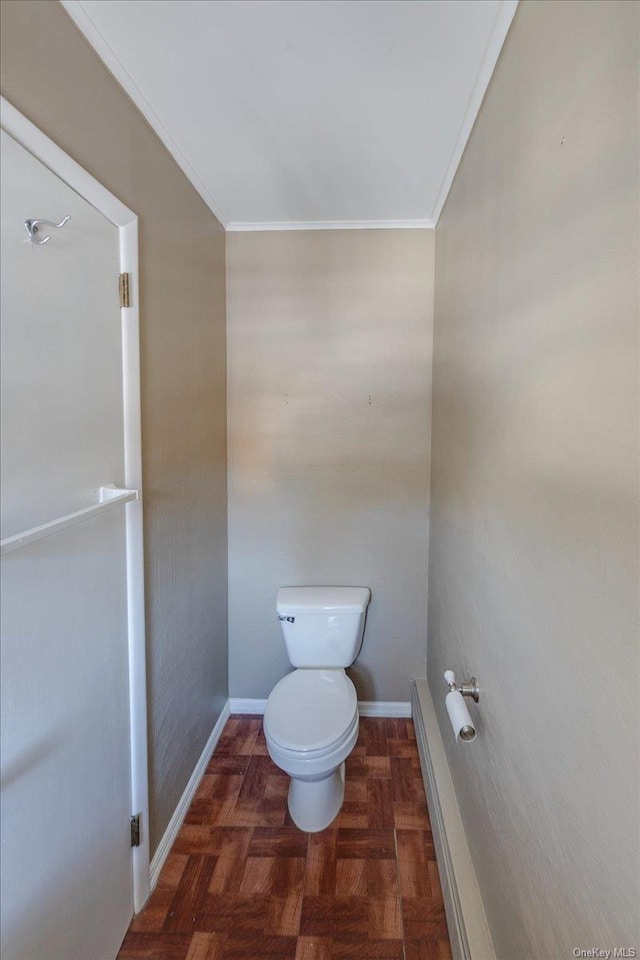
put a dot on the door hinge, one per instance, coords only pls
(135, 830)
(124, 287)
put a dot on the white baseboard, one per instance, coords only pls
(366, 708)
(468, 929)
(384, 708)
(184, 803)
(238, 705)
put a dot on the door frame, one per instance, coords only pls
(60, 163)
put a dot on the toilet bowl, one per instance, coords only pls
(311, 727)
(311, 717)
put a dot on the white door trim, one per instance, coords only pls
(60, 163)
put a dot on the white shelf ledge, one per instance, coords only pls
(110, 497)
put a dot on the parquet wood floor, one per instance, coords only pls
(243, 882)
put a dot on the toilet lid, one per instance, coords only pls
(310, 709)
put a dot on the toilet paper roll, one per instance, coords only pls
(459, 716)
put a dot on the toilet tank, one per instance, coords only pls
(322, 626)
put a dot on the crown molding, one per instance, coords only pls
(94, 36)
(241, 226)
(475, 101)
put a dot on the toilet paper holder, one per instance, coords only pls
(468, 688)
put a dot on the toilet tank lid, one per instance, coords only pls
(322, 599)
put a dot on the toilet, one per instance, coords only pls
(311, 716)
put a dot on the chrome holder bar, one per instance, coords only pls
(468, 688)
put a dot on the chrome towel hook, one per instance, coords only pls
(32, 227)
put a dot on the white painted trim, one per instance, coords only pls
(184, 803)
(468, 929)
(475, 100)
(239, 705)
(366, 708)
(135, 559)
(60, 163)
(64, 166)
(86, 25)
(240, 226)
(384, 708)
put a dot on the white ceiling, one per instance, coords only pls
(306, 113)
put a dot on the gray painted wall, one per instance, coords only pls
(534, 524)
(53, 76)
(329, 360)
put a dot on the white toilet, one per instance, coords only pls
(311, 716)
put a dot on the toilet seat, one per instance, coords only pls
(310, 711)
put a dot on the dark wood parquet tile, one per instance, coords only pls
(427, 950)
(212, 840)
(243, 882)
(314, 948)
(385, 918)
(321, 864)
(329, 915)
(284, 920)
(354, 948)
(243, 946)
(375, 767)
(351, 878)
(372, 735)
(155, 912)
(423, 919)
(415, 851)
(228, 766)
(380, 803)
(354, 811)
(411, 816)
(279, 842)
(279, 876)
(219, 786)
(382, 878)
(223, 913)
(366, 844)
(239, 737)
(192, 889)
(152, 946)
(206, 946)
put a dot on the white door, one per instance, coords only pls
(65, 797)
